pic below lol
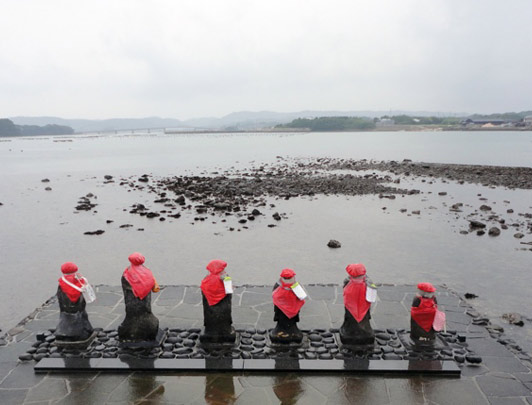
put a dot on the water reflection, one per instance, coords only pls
(288, 388)
(219, 389)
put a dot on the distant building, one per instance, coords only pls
(469, 121)
(528, 120)
(385, 122)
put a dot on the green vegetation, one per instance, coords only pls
(331, 123)
(7, 128)
(409, 120)
(509, 116)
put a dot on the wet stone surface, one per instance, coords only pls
(494, 369)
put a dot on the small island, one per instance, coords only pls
(8, 128)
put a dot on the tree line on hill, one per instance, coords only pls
(8, 128)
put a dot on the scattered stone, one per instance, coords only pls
(442, 193)
(485, 207)
(48, 188)
(334, 244)
(481, 232)
(470, 296)
(494, 231)
(513, 318)
(108, 177)
(125, 226)
(276, 216)
(476, 225)
(416, 212)
(45, 180)
(98, 232)
(519, 235)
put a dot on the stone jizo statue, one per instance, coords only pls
(426, 319)
(217, 292)
(358, 296)
(288, 299)
(74, 325)
(138, 283)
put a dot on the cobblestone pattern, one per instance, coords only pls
(504, 375)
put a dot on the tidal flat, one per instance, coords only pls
(263, 202)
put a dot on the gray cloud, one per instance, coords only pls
(196, 58)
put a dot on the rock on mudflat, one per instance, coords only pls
(519, 235)
(513, 318)
(334, 244)
(494, 231)
(98, 232)
(476, 225)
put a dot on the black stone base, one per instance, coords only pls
(161, 335)
(398, 367)
(219, 342)
(317, 345)
(421, 345)
(76, 344)
(286, 344)
(209, 339)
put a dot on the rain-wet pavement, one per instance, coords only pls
(504, 375)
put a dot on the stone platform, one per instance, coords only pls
(503, 376)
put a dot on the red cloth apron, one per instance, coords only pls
(213, 288)
(355, 298)
(71, 293)
(141, 280)
(286, 300)
(424, 314)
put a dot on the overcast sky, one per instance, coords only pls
(185, 59)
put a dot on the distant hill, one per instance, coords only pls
(113, 124)
(244, 120)
(8, 128)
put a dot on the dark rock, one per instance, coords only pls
(334, 244)
(98, 232)
(519, 235)
(26, 357)
(476, 225)
(513, 318)
(276, 216)
(494, 231)
(469, 296)
(473, 358)
(480, 232)
(484, 207)
(107, 177)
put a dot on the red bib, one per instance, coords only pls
(213, 288)
(355, 299)
(71, 293)
(424, 314)
(141, 280)
(286, 300)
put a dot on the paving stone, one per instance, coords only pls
(192, 296)
(493, 386)
(504, 364)
(250, 299)
(506, 401)
(12, 397)
(49, 389)
(22, 377)
(451, 392)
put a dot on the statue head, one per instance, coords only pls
(288, 276)
(356, 270)
(426, 290)
(68, 268)
(136, 259)
(216, 266)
